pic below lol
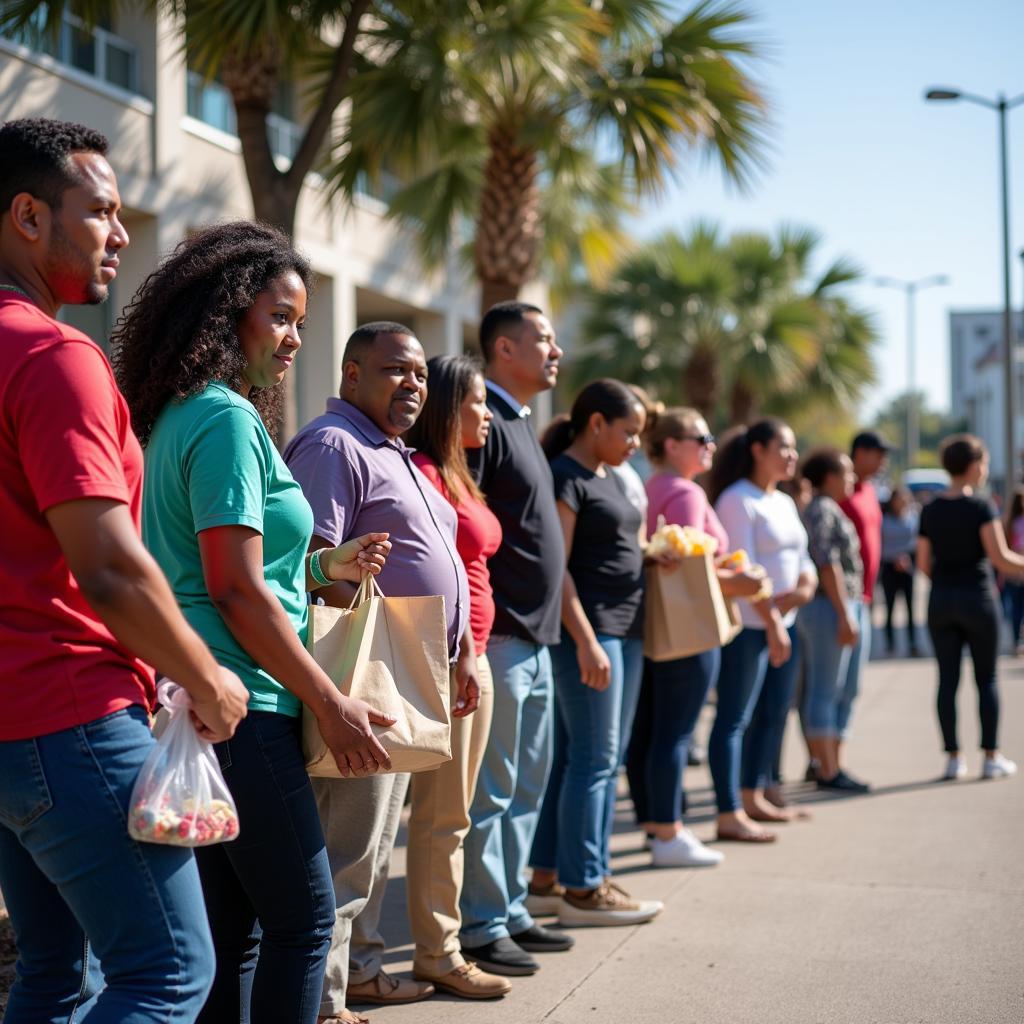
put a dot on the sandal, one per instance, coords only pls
(344, 1017)
(747, 836)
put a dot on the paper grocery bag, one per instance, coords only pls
(391, 652)
(685, 610)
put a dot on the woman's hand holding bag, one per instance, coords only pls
(180, 797)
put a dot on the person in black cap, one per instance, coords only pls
(869, 452)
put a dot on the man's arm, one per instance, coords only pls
(127, 590)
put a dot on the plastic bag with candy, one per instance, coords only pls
(180, 797)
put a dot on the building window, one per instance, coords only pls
(96, 51)
(211, 103)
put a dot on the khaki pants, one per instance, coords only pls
(360, 821)
(437, 827)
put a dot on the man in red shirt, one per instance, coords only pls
(84, 612)
(869, 453)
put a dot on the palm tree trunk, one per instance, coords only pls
(508, 229)
(702, 380)
(742, 404)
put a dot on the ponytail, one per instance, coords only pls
(734, 459)
(557, 436)
(611, 398)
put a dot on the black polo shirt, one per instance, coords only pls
(528, 568)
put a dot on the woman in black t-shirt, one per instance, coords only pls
(597, 665)
(960, 540)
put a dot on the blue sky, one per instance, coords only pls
(907, 188)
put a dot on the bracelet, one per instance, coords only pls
(319, 576)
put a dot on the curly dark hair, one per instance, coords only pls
(36, 151)
(179, 332)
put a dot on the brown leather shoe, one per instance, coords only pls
(469, 982)
(383, 990)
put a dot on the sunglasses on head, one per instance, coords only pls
(702, 439)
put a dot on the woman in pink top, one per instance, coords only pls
(680, 446)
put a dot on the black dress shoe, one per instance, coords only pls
(537, 939)
(844, 783)
(502, 956)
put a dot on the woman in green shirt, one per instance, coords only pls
(199, 355)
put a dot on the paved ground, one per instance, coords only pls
(903, 907)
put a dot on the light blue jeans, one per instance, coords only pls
(70, 873)
(591, 734)
(508, 794)
(858, 660)
(827, 667)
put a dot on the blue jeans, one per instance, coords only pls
(591, 732)
(269, 893)
(508, 793)
(1013, 606)
(748, 730)
(671, 698)
(70, 873)
(827, 665)
(859, 657)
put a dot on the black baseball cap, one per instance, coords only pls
(871, 440)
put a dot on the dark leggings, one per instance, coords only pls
(897, 584)
(959, 615)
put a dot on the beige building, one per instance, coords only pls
(179, 167)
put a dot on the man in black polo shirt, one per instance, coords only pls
(519, 348)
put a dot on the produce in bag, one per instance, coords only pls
(688, 542)
(180, 797)
(739, 561)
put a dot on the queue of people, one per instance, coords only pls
(154, 528)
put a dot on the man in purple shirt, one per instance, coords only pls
(355, 470)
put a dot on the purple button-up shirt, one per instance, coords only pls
(358, 480)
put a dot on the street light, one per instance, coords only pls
(1001, 105)
(912, 439)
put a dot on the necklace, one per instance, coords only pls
(15, 288)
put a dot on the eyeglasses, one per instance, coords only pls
(702, 439)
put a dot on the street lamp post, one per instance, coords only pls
(1001, 105)
(912, 438)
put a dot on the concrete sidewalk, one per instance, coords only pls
(902, 907)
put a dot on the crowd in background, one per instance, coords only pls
(154, 524)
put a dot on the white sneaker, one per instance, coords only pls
(683, 850)
(998, 767)
(608, 905)
(956, 768)
(545, 902)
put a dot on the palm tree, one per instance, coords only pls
(734, 327)
(249, 45)
(494, 111)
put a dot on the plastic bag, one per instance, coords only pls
(180, 797)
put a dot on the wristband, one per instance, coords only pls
(319, 576)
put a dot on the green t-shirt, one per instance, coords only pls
(210, 462)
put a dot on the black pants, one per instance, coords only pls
(959, 615)
(269, 893)
(896, 584)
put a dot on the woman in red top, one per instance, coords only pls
(455, 417)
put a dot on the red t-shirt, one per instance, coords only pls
(866, 515)
(478, 536)
(64, 434)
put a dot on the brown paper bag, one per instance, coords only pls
(686, 612)
(391, 652)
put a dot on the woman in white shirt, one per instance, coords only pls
(758, 673)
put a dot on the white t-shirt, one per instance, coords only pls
(767, 525)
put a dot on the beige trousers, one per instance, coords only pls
(437, 827)
(360, 820)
